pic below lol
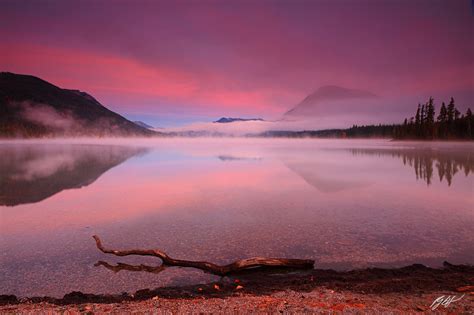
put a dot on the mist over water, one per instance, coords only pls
(344, 203)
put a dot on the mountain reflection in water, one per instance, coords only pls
(31, 173)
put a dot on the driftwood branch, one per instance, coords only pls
(210, 267)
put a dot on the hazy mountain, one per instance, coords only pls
(332, 99)
(34, 172)
(142, 124)
(230, 119)
(32, 107)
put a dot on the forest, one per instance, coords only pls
(448, 124)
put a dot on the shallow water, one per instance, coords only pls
(344, 203)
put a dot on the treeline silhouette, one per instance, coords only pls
(425, 125)
(424, 161)
(369, 131)
(378, 131)
(448, 124)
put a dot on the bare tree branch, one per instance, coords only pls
(210, 267)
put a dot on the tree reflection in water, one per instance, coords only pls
(448, 163)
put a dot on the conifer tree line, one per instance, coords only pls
(448, 124)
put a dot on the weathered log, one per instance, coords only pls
(239, 265)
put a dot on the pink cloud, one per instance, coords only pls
(247, 58)
(102, 75)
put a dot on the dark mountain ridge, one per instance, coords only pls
(143, 124)
(32, 107)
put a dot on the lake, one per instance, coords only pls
(344, 203)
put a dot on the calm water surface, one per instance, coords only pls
(345, 204)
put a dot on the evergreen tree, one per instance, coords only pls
(430, 113)
(457, 114)
(450, 111)
(442, 120)
(469, 122)
(443, 115)
(422, 115)
(417, 116)
(450, 128)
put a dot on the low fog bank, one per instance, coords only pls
(28, 119)
(65, 122)
(230, 145)
(257, 128)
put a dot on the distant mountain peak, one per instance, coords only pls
(328, 93)
(338, 92)
(230, 119)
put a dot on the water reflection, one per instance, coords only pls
(225, 200)
(32, 173)
(322, 177)
(448, 163)
(122, 266)
(226, 158)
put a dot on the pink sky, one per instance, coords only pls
(170, 63)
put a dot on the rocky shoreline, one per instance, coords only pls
(412, 288)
